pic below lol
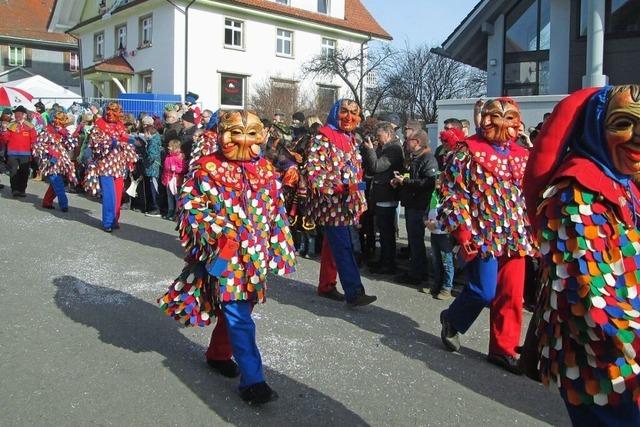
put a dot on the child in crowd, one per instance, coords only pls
(174, 168)
(442, 249)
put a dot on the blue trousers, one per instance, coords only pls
(339, 238)
(242, 333)
(57, 183)
(107, 185)
(443, 270)
(624, 415)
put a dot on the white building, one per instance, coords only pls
(218, 49)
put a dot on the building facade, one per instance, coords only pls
(221, 50)
(27, 48)
(541, 47)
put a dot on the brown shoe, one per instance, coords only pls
(333, 294)
(443, 295)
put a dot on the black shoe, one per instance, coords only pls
(1, 186)
(116, 226)
(361, 300)
(22, 194)
(333, 294)
(108, 229)
(450, 337)
(48, 207)
(155, 214)
(64, 209)
(508, 363)
(227, 368)
(258, 394)
(15, 194)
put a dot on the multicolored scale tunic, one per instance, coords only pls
(111, 152)
(481, 191)
(334, 177)
(223, 201)
(52, 149)
(589, 310)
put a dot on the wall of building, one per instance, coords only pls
(495, 58)
(621, 56)
(46, 62)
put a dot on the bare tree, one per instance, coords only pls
(273, 95)
(420, 78)
(357, 70)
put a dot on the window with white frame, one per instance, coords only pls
(328, 48)
(324, 6)
(232, 90)
(145, 31)
(327, 96)
(284, 2)
(146, 83)
(233, 32)
(98, 45)
(74, 61)
(121, 38)
(16, 56)
(284, 42)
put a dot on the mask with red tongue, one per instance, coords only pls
(500, 120)
(113, 113)
(622, 128)
(240, 136)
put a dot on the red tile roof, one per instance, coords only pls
(357, 18)
(27, 19)
(116, 65)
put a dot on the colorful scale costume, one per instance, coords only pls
(483, 208)
(52, 149)
(112, 155)
(589, 232)
(234, 229)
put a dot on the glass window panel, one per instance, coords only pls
(522, 35)
(232, 90)
(624, 17)
(323, 6)
(545, 25)
(543, 78)
(584, 10)
(520, 72)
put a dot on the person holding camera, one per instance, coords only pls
(381, 164)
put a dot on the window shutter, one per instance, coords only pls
(27, 57)
(67, 61)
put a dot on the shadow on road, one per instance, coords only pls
(132, 324)
(402, 334)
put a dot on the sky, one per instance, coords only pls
(419, 21)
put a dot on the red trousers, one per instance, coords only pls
(49, 197)
(220, 344)
(506, 308)
(118, 184)
(328, 271)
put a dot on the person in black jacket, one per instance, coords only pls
(416, 187)
(381, 165)
(186, 135)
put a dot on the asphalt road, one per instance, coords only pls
(83, 343)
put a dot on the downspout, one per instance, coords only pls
(362, 71)
(80, 65)
(186, 47)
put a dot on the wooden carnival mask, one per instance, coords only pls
(240, 136)
(349, 115)
(622, 128)
(113, 112)
(500, 120)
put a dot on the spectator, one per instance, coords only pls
(465, 126)
(206, 116)
(442, 250)
(151, 163)
(189, 128)
(174, 168)
(449, 137)
(382, 166)
(172, 127)
(416, 187)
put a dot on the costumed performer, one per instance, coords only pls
(234, 229)
(483, 209)
(583, 198)
(112, 155)
(334, 181)
(52, 151)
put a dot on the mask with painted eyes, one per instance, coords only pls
(622, 128)
(113, 113)
(240, 136)
(349, 115)
(60, 120)
(500, 120)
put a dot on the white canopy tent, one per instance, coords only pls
(46, 90)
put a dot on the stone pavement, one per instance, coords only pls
(84, 344)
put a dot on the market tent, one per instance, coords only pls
(46, 90)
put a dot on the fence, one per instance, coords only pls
(131, 103)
